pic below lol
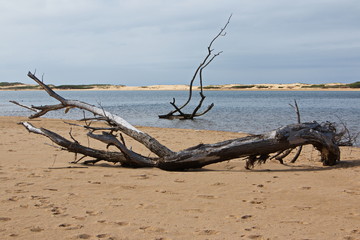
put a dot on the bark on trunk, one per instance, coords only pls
(255, 148)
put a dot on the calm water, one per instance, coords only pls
(242, 111)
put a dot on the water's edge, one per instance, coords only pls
(236, 111)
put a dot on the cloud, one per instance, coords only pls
(163, 41)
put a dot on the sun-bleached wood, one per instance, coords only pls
(254, 148)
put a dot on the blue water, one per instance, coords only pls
(239, 111)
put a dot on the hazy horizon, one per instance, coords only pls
(141, 43)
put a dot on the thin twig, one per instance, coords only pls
(199, 69)
(24, 106)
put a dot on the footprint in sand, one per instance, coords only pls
(256, 201)
(194, 210)
(351, 192)
(93, 213)
(250, 229)
(57, 210)
(79, 218)
(118, 223)
(91, 182)
(36, 197)
(255, 237)
(239, 218)
(207, 196)
(83, 236)
(15, 198)
(218, 184)
(302, 208)
(68, 226)
(207, 232)
(51, 189)
(34, 175)
(121, 223)
(36, 229)
(166, 191)
(152, 229)
(103, 235)
(3, 179)
(23, 184)
(179, 180)
(232, 216)
(20, 191)
(4, 219)
(146, 206)
(141, 176)
(128, 187)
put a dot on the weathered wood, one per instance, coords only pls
(255, 149)
(75, 147)
(151, 143)
(177, 113)
(284, 138)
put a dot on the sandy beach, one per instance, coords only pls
(45, 197)
(183, 87)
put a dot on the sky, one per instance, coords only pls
(143, 42)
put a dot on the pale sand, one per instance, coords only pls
(224, 87)
(41, 200)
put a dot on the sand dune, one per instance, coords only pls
(41, 198)
(224, 87)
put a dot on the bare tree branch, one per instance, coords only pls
(206, 61)
(152, 144)
(298, 152)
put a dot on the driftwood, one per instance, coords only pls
(254, 148)
(178, 112)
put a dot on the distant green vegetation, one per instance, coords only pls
(314, 86)
(261, 86)
(326, 86)
(25, 87)
(83, 86)
(242, 86)
(211, 87)
(8, 84)
(350, 85)
(22, 86)
(354, 85)
(73, 87)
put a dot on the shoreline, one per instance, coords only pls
(226, 87)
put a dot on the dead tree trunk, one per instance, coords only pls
(255, 148)
(178, 112)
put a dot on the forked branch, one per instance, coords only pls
(198, 72)
(255, 149)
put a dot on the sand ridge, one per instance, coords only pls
(41, 198)
(222, 87)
